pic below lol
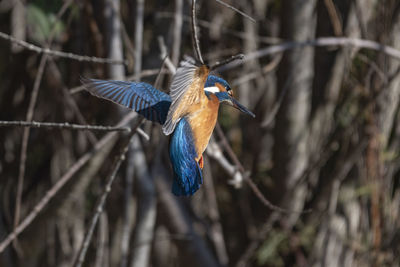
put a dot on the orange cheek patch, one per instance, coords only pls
(220, 87)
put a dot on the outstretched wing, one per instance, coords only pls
(186, 89)
(141, 97)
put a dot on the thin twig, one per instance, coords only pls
(196, 42)
(55, 72)
(319, 42)
(66, 125)
(54, 53)
(164, 55)
(29, 115)
(138, 36)
(254, 244)
(218, 64)
(333, 15)
(271, 115)
(25, 138)
(60, 183)
(100, 206)
(209, 25)
(216, 232)
(215, 152)
(256, 74)
(236, 10)
(246, 177)
(177, 32)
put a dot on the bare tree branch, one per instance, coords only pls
(178, 21)
(218, 64)
(29, 115)
(54, 53)
(100, 205)
(319, 42)
(66, 125)
(195, 38)
(60, 183)
(236, 10)
(246, 177)
(164, 55)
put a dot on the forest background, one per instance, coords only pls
(322, 77)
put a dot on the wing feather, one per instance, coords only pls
(139, 96)
(186, 89)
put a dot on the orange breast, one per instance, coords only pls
(202, 119)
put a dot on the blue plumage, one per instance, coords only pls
(159, 107)
(212, 80)
(187, 172)
(141, 97)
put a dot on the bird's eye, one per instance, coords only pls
(230, 92)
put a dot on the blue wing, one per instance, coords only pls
(141, 97)
(187, 172)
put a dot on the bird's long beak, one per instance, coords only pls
(234, 103)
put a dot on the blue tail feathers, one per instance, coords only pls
(187, 172)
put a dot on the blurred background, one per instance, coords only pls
(325, 138)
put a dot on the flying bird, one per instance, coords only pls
(189, 114)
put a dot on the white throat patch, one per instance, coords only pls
(212, 89)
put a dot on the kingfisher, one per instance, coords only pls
(189, 114)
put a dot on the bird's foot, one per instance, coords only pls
(201, 162)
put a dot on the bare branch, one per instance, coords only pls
(25, 139)
(60, 183)
(54, 53)
(196, 42)
(215, 152)
(164, 55)
(66, 125)
(218, 64)
(333, 14)
(236, 10)
(100, 206)
(177, 33)
(319, 42)
(29, 115)
(229, 31)
(246, 177)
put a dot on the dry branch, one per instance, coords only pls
(218, 64)
(100, 206)
(217, 154)
(66, 125)
(54, 53)
(319, 42)
(59, 184)
(236, 10)
(196, 42)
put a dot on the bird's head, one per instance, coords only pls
(221, 89)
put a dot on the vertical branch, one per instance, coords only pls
(29, 117)
(178, 19)
(217, 234)
(18, 24)
(99, 207)
(196, 43)
(115, 51)
(138, 36)
(25, 138)
(128, 212)
(146, 213)
(61, 182)
(290, 150)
